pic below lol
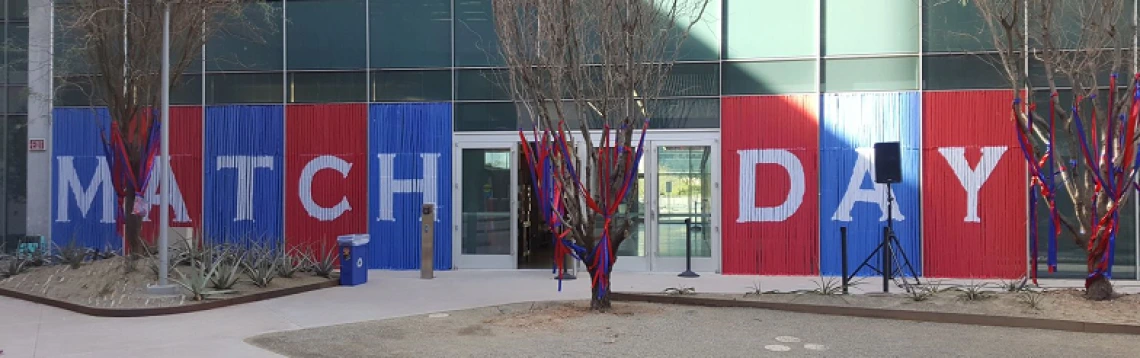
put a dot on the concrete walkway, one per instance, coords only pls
(31, 330)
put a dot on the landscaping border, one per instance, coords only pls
(171, 310)
(904, 315)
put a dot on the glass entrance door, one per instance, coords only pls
(682, 209)
(486, 202)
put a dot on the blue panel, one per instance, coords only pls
(407, 143)
(83, 198)
(244, 170)
(853, 123)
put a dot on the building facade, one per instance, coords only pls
(352, 113)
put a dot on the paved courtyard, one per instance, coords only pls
(31, 330)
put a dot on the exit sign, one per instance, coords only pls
(37, 145)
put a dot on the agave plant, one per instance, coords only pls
(199, 280)
(229, 269)
(323, 265)
(73, 255)
(15, 266)
(261, 265)
(291, 263)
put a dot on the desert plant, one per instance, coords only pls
(14, 266)
(291, 263)
(106, 253)
(1032, 299)
(39, 256)
(73, 255)
(1018, 285)
(974, 292)
(199, 280)
(261, 265)
(680, 290)
(828, 286)
(919, 293)
(229, 269)
(324, 264)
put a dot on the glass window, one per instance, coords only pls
(870, 74)
(188, 90)
(68, 56)
(410, 33)
(17, 49)
(495, 116)
(1068, 30)
(1038, 78)
(703, 42)
(227, 88)
(252, 41)
(326, 34)
(17, 100)
(17, 10)
(476, 43)
(13, 138)
(855, 27)
(325, 87)
(769, 77)
(76, 91)
(486, 201)
(685, 113)
(751, 28)
(482, 85)
(1072, 258)
(411, 86)
(963, 72)
(954, 26)
(692, 80)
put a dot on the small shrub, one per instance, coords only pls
(1018, 285)
(229, 261)
(974, 292)
(290, 264)
(14, 266)
(261, 265)
(1032, 299)
(828, 286)
(919, 293)
(324, 264)
(73, 255)
(198, 281)
(680, 290)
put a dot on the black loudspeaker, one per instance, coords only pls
(888, 165)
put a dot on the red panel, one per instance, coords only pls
(186, 160)
(965, 135)
(772, 222)
(332, 141)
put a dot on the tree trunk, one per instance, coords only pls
(132, 227)
(600, 298)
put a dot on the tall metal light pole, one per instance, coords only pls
(164, 286)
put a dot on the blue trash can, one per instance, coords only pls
(353, 267)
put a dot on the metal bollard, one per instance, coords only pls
(843, 248)
(427, 242)
(689, 251)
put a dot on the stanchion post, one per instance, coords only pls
(843, 247)
(886, 256)
(689, 250)
(427, 241)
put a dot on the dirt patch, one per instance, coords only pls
(671, 330)
(108, 284)
(546, 315)
(1062, 304)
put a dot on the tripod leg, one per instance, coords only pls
(906, 261)
(867, 262)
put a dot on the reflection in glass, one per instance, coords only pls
(684, 186)
(486, 210)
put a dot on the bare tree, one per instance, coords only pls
(1085, 46)
(580, 66)
(116, 46)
